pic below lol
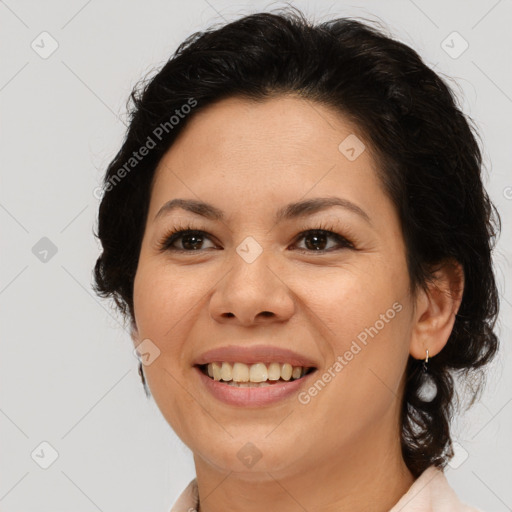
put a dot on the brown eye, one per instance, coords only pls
(190, 240)
(317, 240)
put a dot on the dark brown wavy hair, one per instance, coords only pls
(429, 162)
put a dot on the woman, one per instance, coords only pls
(297, 230)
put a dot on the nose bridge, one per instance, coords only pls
(251, 289)
(251, 267)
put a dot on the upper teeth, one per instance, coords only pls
(258, 372)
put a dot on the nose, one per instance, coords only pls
(252, 293)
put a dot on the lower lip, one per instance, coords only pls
(252, 397)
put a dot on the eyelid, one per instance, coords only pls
(328, 232)
(175, 233)
(341, 240)
(344, 241)
(334, 225)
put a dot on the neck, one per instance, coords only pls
(369, 476)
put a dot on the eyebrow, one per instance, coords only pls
(290, 211)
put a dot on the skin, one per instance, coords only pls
(341, 451)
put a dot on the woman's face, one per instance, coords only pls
(253, 285)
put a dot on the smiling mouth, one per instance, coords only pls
(254, 375)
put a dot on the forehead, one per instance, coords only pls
(276, 150)
(292, 128)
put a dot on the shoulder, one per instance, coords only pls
(431, 492)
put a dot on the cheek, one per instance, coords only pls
(373, 336)
(365, 314)
(163, 304)
(164, 299)
(349, 299)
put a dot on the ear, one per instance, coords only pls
(436, 308)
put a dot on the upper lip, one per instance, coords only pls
(254, 354)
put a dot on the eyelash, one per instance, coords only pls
(165, 243)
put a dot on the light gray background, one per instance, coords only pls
(68, 375)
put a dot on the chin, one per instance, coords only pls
(250, 460)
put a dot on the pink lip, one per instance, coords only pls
(254, 354)
(252, 397)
